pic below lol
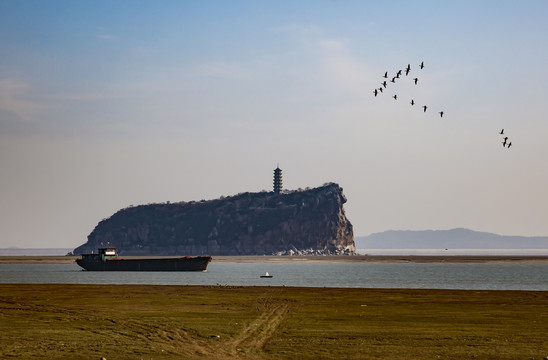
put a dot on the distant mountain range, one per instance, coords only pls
(447, 239)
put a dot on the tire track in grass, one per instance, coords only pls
(256, 334)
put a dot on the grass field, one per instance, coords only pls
(197, 322)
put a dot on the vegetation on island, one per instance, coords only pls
(244, 224)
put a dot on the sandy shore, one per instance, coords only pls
(382, 258)
(290, 259)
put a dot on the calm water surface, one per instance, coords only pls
(473, 276)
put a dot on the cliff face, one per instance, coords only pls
(297, 223)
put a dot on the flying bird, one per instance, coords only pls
(505, 138)
(395, 97)
(412, 102)
(380, 89)
(504, 142)
(501, 132)
(422, 65)
(384, 83)
(425, 107)
(441, 113)
(385, 75)
(509, 144)
(416, 80)
(408, 69)
(375, 92)
(398, 74)
(393, 79)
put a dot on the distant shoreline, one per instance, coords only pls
(315, 259)
(382, 259)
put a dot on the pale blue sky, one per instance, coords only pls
(104, 104)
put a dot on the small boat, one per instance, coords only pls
(266, 275)
(107, 260)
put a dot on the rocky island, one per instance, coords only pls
(306, 222)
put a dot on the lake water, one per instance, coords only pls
(472, 276)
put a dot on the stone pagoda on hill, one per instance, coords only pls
(277, 180)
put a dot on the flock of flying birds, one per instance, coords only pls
(398, 75)
(505, 142)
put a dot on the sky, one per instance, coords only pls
(107, 104)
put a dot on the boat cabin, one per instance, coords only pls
(107, 253)
(102, 255)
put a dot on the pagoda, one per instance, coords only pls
(277, 180)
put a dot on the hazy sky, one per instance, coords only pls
(105, 104)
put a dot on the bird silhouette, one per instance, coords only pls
(395, 97)
(441, 113)
(412, 102)
(505, 138)
(501, 132)
(375, 92)
(393, 79)
(408, 69)
(398, 73)
(509, 144)
(385, 75)
(416, 80)
(422, 65)
(425, 107)
(504, 142)
(384, 83)
(380, 89)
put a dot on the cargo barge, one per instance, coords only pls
(107, 260)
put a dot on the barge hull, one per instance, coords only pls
(176, 264)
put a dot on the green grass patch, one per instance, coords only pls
(203, 322)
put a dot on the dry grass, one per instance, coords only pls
(198, 322)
